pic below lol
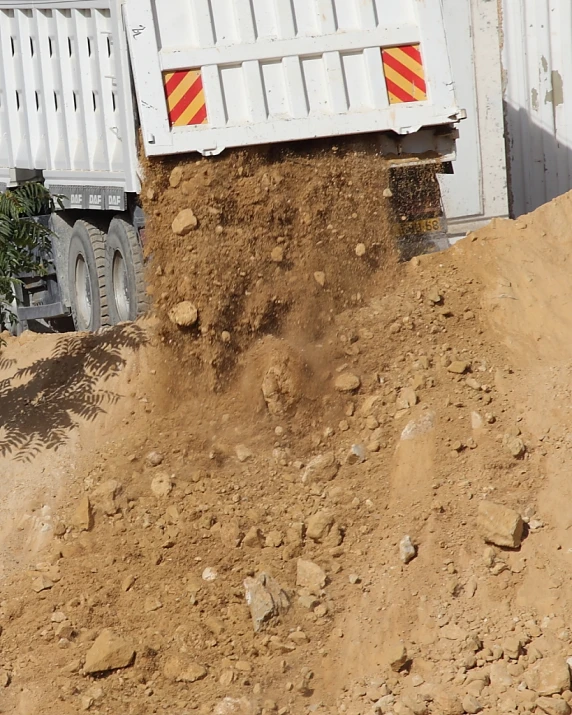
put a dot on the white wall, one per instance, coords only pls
(537, 59)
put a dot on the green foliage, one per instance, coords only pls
(24, 243)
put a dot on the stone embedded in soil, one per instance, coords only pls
(446, 702)
(548, 676)
(109, 652)
(42, 583)
(243, 453)
(407, 551)
(406, 399)
(553, 706)
(253, 538)
(277, 254)
(5, 679)
(181, 669)
(396, 654)
(319, 525)
(515, 446)
(184, 314)
(320, 278)
(104, 497)
(360, 250)
(458, 367)
(161, 485)
(310, 576)
(499, 525)
(471, 705)
(184, 222)
(265, 598)
(82, 518)
(347, 382)
(233, 706)
(154, 459)
(322, 468)
(176, 177)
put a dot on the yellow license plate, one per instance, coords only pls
(416, 228)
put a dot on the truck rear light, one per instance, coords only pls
(404, 74)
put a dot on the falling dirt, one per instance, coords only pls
(443, 387)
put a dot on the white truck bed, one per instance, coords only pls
(213, 74)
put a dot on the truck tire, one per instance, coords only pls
(86, 277)
(124, 273)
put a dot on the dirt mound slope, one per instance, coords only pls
(263, 241)
(246, 552)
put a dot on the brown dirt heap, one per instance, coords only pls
(299, 543)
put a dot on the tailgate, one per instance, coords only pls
(212, 74)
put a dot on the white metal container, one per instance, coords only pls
(66, 105)
(537, 60)
(212, 74)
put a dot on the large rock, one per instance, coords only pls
(82, 518)
(109, 652)
(184, 222)
(105, 495)
(319, 525)
(184, 314)
(265, 598)
(548, 676)
(500, 525)
(553, 706)
(310, 576)
(322, 468)
(347, 382)
(181, 669)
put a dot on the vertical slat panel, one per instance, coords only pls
(23, 69)
(105, 74)
(295, 87)
(9, 85)
(75, 138)
(336, 82)
(285, 21)
(52, 124)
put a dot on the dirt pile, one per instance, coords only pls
(374, 521)
(262, 241)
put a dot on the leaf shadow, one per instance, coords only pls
(42, 403)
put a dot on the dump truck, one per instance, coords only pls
(86, 86)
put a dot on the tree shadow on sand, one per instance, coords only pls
(41, 404)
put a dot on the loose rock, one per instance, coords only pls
(184, 222)
(184, 314)
(310, 576)
(347, 382)
(500, 525)
(548, 676)
(319, 526)
(266, 599)
(161, 485)
(109, 652)
(553, 706)
(458, 367)
(322, 468)
(82, 518)
(183, 670)
(407, 551)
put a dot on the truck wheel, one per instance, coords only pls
(86, 276)
(124, 273)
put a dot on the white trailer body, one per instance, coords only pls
(66, 105)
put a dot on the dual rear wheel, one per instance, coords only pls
(106, 275)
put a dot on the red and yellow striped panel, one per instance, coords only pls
(185, 98)
(404, 74)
